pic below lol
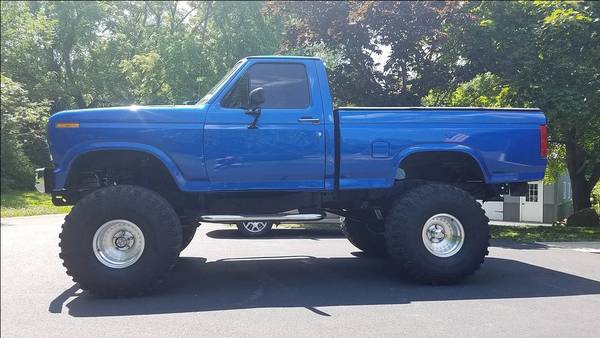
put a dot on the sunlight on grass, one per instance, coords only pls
(28, 203)
(545, 233)
(312, 226)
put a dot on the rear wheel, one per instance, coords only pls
(437, 233)
(365, 237)
(120, 241)
(254, 229)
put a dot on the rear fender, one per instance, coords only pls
(430, 147)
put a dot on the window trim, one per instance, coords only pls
(245, 71)
(531, 189)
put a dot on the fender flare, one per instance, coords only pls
(437, 147)
(76, 152)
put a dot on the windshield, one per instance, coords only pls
(220, 83)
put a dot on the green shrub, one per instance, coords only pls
(23, 134)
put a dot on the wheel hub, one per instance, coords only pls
(118, 243)
(124, 240)
(436, 233)
(255, 226)
(443, 235)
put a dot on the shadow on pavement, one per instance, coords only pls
(508, 244)
(299, 281)
(279, 234)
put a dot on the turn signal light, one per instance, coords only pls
(67, 125)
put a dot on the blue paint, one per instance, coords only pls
(207, 147)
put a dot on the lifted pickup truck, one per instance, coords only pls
(267, 140)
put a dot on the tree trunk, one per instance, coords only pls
(576, 163)
(581, 192)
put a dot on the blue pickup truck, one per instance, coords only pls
(267, 144)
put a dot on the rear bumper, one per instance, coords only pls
(44, 180)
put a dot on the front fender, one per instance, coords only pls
(62, 172)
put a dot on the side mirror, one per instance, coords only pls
(189, 102)
(256, 97)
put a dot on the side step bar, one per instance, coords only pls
(252, 218)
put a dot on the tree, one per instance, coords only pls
(329, 25)
(415, 34)
(484, 90)
(89, 54)
(20, 136)
(408, 39)
(549, 54)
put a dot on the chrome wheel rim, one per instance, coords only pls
(118, 243)
(255, 226)
(443, 235)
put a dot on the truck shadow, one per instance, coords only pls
(301, 281)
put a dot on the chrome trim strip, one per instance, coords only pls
(251, 218)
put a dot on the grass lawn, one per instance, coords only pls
(28, 203)
(545, 233)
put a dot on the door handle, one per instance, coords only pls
(307, 119)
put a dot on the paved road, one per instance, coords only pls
(298, 284)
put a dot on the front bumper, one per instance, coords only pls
(44, 180)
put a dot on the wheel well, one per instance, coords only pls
(443, 166)
(117, 167)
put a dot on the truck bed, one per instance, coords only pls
(375, 140)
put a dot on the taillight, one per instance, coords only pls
(543, 140)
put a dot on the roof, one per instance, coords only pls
(284, 57)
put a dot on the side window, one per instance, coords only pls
(285, 86)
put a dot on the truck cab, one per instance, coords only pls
(287, 147)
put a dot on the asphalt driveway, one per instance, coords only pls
(298, 283)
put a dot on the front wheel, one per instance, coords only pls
(255, 229)
(120, 241)
(437, 234)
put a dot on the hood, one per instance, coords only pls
(132, 114)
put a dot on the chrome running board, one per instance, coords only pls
(253, 218)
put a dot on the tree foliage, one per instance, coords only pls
(22, 134)
(484, 90)
(89, 54)
(390, 53)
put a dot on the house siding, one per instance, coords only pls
(549, 200)
(549, 213)
(511, 208)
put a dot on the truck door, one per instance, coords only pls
(286, 150)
